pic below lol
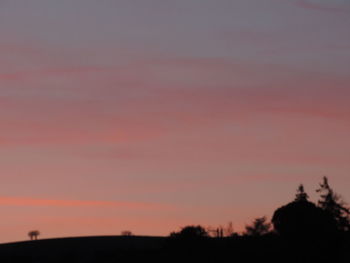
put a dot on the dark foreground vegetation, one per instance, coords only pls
(267, 248)
(303, 232)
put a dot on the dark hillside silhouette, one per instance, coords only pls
(83, 250)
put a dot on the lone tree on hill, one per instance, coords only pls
(33, 235)
(126, 233)
(334, 204)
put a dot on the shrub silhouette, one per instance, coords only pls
(191, 232)
(259, 227)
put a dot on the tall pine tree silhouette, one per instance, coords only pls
(334, 204)
(301, 195)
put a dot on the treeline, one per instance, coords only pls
(299, 217)
(300, 231)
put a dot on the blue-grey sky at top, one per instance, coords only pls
(267, 31)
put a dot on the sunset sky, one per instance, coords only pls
(148, 115)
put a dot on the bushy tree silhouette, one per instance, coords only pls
(302, 218)
(308, 231)
(191, 232)
(259, 227)
(333, 204)
(189, 238)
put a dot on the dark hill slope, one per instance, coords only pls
(81, 249)
(270, 248)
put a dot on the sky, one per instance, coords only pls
(149, 115)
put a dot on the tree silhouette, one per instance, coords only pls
(191, 232)
(302, 218)
(301, 195)
(333, 203)
(259, 227)
(33, 235)
(229, 231)
(126, 233)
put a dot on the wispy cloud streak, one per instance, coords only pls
(34, 202)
